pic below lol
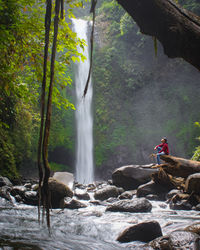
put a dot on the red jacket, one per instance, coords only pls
(164, 148)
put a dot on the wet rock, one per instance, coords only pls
(96, 202)
(110, 182)
(152, 197)
(28, 185)
(74, 204)
(138, 205)
(91, 187)
(127, 195)
(152, 188)
(194, 228)
(30, 198)
(82, 195)
(35, 187)
(144, 232)
(18, 198)
(106, 192)
(65, 177)
(177, 240)
(79, 185)
(4, 181)
(58, 191)
(18, 190)
(132, 176)
(5, 192)
(112, 199)
(180, 205)
(120, 190)
(197, 207)
(192, 183)
(172, 193)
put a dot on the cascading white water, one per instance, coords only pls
(84, 119)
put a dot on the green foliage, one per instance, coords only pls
(139, 97)
(7, 156)
(21, 47)
(59, 167)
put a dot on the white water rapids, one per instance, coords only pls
(84, 119)
(82, 229)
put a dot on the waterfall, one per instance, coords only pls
(84, 119)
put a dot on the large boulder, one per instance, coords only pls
(193, 184)
(58, 191)
(152, 188)
(177, 240)
(65, 177)
(107, 192)
(132, 176)
(144, 232)
(138, 205)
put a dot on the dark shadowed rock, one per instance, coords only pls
(180, 205)
(192, 183)
(4, 181)
(28, 185)
(106, 192)
(172, 193)
(138, 205)
(152, 188)
(18, 190)
(58, 191)
(144, 232)
(74, 204)
(177, 240)
(132, 176)
(5, 192)
(30, 198)
(197, 207)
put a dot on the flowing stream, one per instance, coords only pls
(84, 119)
(89, 228)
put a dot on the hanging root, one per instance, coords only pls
(92, 10)
(40, 168)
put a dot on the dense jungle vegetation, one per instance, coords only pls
(139, 94)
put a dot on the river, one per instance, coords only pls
(81, 229)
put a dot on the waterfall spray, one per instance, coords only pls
(84, 119)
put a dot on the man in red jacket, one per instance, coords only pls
(162, 149)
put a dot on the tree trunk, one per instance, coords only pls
(48, 116)
(179, 166)
(47, 30)
(178, 30)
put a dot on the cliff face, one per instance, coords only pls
(176, 28)
(139, 97)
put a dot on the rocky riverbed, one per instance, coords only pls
(100, 215)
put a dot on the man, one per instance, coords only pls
(162, 149)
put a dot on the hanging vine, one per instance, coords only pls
(92, 10)
(44, 172)
(47, 30)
